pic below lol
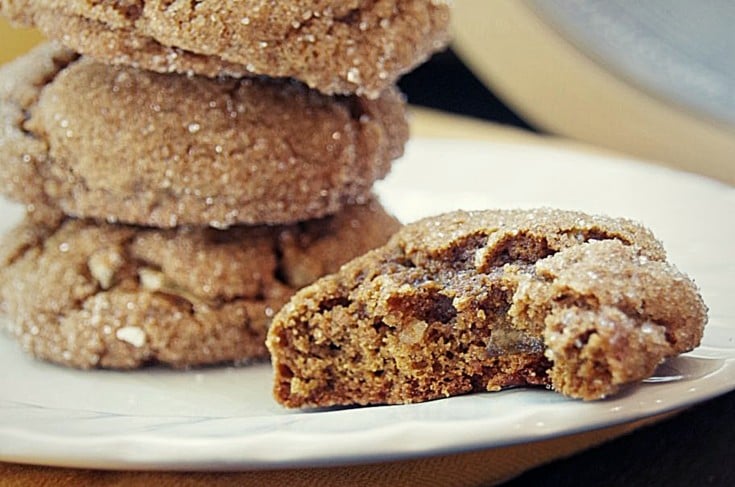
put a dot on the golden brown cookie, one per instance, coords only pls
(132, 146)
(88, 294)
(335, 46)
(480, 301)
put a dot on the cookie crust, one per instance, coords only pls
(86, 294)
(481, 301)
(131, 146)
(338, 47)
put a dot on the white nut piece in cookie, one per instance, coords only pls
(103, 265)
(133, 335)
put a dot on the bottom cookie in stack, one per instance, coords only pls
(88, 294)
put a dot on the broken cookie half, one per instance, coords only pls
(480, 301)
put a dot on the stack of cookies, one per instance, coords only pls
(194, 166)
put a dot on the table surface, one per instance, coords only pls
(692, 448)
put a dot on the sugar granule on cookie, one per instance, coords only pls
(131, 146)
(88, 294)
(335, 46)
(480, 301)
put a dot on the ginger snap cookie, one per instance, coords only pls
(484, 300)
(335, 46)
(132, 146)
(87, 294)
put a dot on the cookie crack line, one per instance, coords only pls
(20, 252)
(586, 302)
(21, 103)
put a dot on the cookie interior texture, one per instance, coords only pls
(485, 300)
(88, 294)
(131, 146)
(336, 46)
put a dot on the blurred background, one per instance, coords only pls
(654, 79)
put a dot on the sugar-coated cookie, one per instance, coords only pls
(479, 301)
(336, 46)
(87, 294)
(132, 146)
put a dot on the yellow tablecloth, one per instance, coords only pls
(15, 41)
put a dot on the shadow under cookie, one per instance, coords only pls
(88, 294)
(131, 146)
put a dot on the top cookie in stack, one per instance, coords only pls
(159, 124)
(334, 46)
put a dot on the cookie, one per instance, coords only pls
(480, 301)
(338, 47)
(87, 294)
(131, 146)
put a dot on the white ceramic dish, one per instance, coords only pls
(225, 418)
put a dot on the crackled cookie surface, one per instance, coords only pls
(99, 295)
(335, 46)
(131, 146)
(479, 301)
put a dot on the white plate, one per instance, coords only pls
(225, 418)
